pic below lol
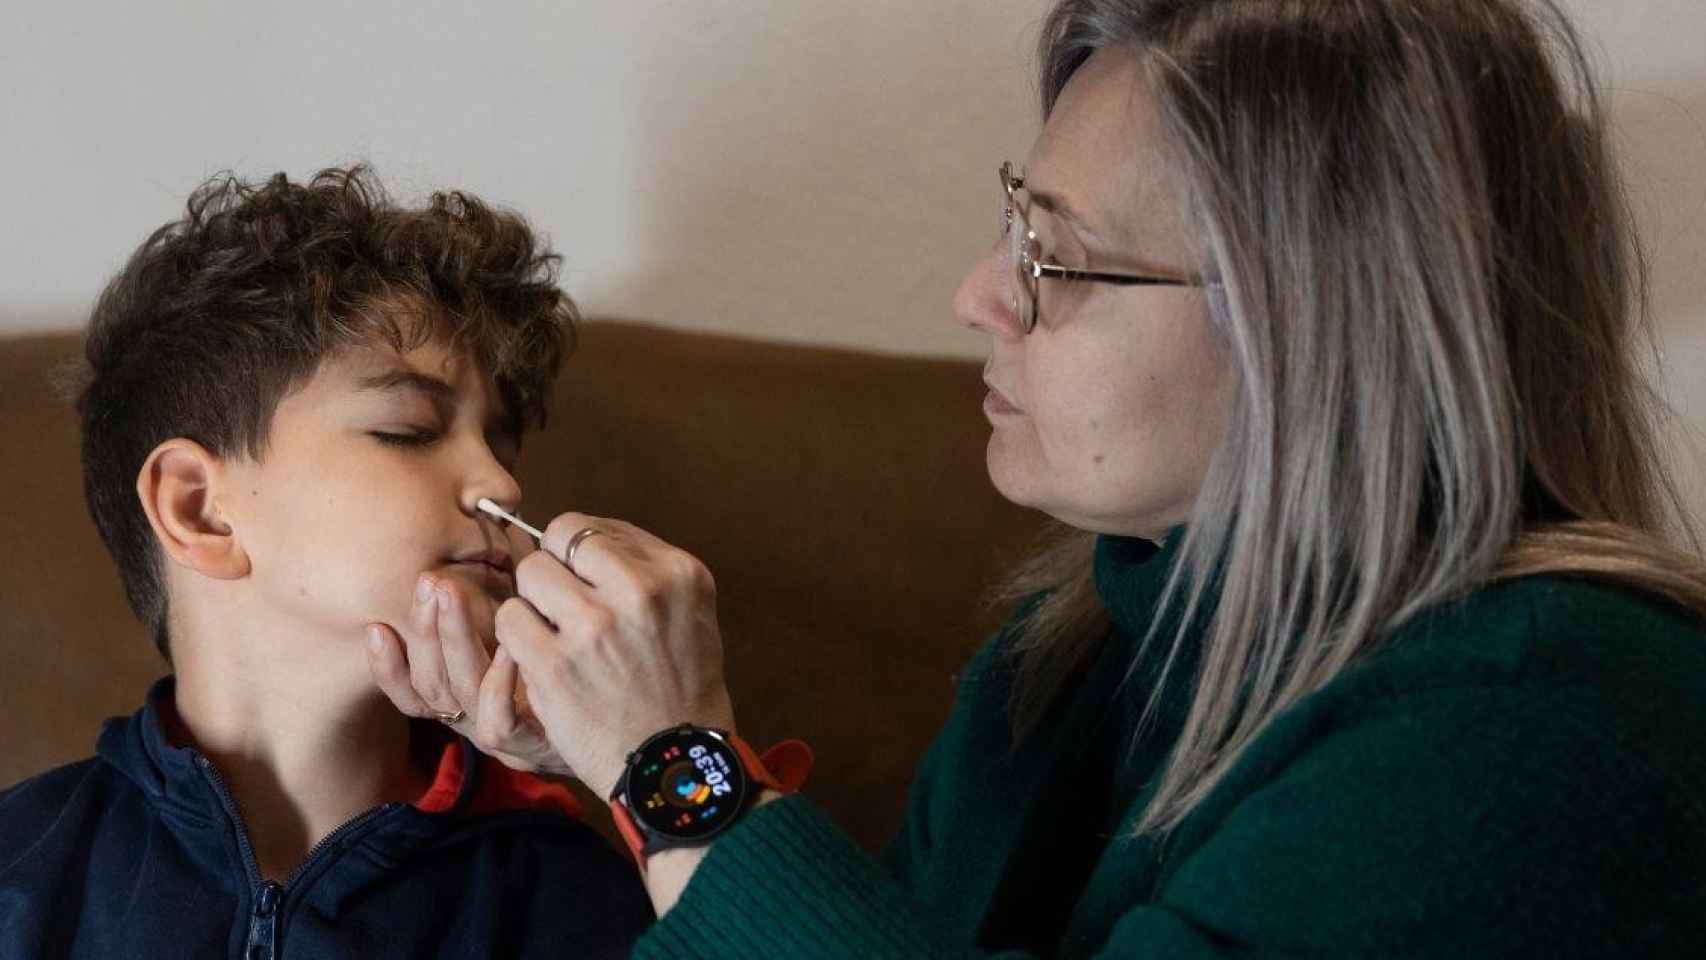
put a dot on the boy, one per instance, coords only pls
(293, 399)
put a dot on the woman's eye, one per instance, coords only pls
(415, 439)
(1069, 256)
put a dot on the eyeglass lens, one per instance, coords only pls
(1021, 248)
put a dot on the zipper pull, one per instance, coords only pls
(263, 925)
(266, 902)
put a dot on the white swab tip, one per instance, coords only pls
(486, 506)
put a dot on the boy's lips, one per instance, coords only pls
(497, 559)
(492, 569)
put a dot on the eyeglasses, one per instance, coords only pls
(1024, 252)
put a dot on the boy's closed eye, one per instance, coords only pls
(405, 438)
(506, 449)
(413, 428)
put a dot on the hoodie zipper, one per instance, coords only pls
(267, 898)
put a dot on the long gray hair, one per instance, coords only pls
(1432, 296)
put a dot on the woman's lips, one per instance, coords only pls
(997, 404)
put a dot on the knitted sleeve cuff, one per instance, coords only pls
(787, 882)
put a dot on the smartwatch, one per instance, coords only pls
(687, 784)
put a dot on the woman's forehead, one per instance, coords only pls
(1100, 153)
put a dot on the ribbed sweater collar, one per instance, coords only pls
(1131, 574)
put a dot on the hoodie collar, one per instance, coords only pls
(138, 748)
(467, 790)
(465, 782)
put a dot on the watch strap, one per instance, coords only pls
(631, 833)
(783, 768)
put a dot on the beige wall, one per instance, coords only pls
(800, 170)
(1650, 57)
(806, 170)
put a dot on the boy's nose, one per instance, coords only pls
(494, 483)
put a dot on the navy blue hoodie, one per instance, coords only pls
(140, 852)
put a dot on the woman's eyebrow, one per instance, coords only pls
(1058, 206)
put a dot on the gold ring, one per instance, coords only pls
(452, 719)
(581, 536)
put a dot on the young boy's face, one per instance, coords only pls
(370, 479)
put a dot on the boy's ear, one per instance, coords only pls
(178, 487)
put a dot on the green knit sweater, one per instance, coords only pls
(1522, 773)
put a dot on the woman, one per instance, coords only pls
(1312, 323)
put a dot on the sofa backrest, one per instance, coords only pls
(839, 498)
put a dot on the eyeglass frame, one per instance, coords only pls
(1026, 265)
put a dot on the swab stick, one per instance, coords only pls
(487, 506)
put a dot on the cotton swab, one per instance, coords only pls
(488, 507)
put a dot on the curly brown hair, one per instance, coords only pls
(220, 314)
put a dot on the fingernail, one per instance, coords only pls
(443, 596)
(423, 591)
(375, 641)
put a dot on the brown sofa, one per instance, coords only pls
(839, 498)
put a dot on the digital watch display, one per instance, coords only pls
(684, 786)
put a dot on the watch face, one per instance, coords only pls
(686, 783)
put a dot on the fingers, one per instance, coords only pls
(610, 661)
(627, 566)
(638, 583)
(391, 671)
(461, 643)
(425, 652)
(508, 722)
(496, 721)
(527, 638)
(555, 594)
(564, 526)
(600, 559)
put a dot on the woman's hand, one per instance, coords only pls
(442, 663)
(620, 648)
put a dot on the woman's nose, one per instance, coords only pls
(984, 300)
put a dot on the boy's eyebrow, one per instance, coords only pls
(437, 390)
